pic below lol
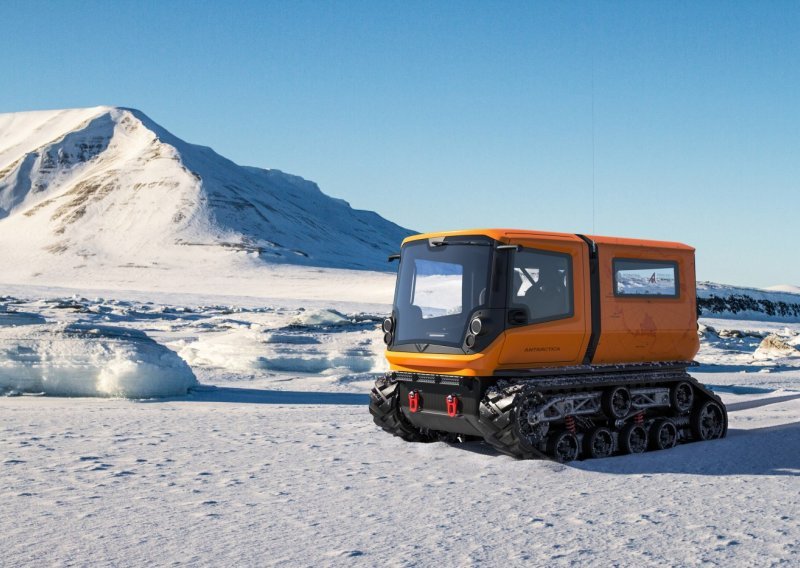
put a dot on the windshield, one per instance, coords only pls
(438, 289)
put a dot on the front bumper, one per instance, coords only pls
(433, 411)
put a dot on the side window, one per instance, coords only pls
(633, 277)
(542, 283)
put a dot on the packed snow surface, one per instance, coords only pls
(273, 458)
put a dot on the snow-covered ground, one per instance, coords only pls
(273, 459)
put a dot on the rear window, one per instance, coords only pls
(646, 278)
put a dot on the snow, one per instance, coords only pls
(312, 341)
(790, 288)
(87, 360)
(274, 460)
(706, 289)
(723, 301)
(212, 332)
(106, 198)
(776, 347)
(318, 317)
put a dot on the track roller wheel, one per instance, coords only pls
(633, 439)
(617, 402)
(681, 397)
(708, 421)
(563, 446)
(663, 434)
(599, 443)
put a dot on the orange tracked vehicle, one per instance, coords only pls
(545, 345)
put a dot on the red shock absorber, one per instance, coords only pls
(639, 419)
(569, 421)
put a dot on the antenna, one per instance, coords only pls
(594, 19)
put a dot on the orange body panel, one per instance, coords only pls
(560, 342)
(477, 365)
(632, 329)
(647, 329)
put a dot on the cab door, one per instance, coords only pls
(547, 306)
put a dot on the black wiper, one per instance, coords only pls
(435, 243)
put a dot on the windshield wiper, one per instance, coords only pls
(435, 243)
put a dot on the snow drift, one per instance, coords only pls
(317, 341)
(774, 346)
(87, 360)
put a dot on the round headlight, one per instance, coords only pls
(387, 338)
(470, 340)
(475, 326)
(388, 325)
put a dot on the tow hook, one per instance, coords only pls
(452, 405)
(413, 401)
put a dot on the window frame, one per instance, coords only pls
(512, 305)
(652, 262)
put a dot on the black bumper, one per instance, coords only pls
(432, 392)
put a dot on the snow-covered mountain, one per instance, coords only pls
(790, 288)
(106, 191)
(721, 300)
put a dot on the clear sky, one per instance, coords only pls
(683, 116)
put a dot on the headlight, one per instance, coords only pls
(475, 326)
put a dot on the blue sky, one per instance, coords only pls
(684, 116)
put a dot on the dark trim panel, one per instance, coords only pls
(594, 284)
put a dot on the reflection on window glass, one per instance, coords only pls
(542, 283)
(645, 278)
(438, 288)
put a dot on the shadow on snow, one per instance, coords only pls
(265, 396)
(732, 368)
(774, 450)
(764, 451)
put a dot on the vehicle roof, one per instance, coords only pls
(510, 235)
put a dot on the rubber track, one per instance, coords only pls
(496, 418)
(498, 405)
(385, 409)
